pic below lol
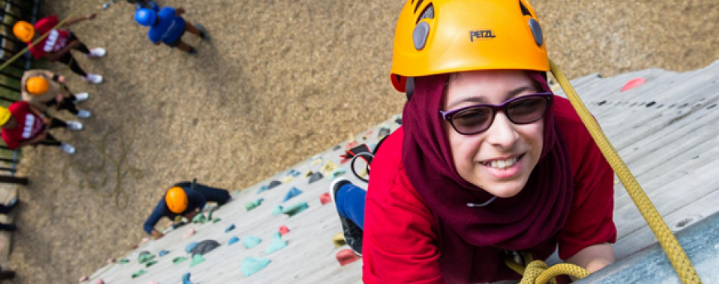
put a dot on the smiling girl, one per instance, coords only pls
(488, 161)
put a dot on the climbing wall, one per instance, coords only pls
(662, 123)
(309, 255)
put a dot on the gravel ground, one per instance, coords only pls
(278, 82)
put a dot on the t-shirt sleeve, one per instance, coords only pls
(590, 218)
(168, 11)
(155, 217)
(399, 241)
(52, 21)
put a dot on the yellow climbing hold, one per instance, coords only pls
(316, 162)
(287, 179)
(339, 240)
(328, 167)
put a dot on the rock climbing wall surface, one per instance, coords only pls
(663, 124)
(304, 253)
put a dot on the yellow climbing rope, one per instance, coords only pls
(669, 243)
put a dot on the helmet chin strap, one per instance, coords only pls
(409, 87)
(482, 204)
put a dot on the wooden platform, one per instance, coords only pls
(665, 130)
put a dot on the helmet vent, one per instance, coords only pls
(428, 13)
(525, 11)
(419, 3)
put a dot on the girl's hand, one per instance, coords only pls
(90, 16)
(61, 79)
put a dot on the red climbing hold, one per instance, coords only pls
(99, 281)
(633, 83)
(346, 256)
(325, 198)
(83, 278)
(284, 230)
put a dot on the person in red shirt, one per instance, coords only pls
(23, 125)
(487, 164)
(57, 45)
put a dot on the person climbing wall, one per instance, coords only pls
(23, 125)
(42, 89)
(184, 199)
(168, 27)
(57, 45)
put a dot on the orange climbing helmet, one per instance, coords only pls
(176, 199)
(37, 85)
(24, 31)
(447, 36)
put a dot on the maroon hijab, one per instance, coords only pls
(472, 240)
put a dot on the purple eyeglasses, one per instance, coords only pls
(478, 118)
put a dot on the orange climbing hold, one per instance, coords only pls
(633, 83)
(284, 230)
(346, 256)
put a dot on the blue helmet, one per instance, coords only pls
(145, 17)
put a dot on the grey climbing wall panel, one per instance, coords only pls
(665, 130)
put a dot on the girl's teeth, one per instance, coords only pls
(502, 164)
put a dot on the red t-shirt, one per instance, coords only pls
(28, 126)
(56, 40)
(400, 234)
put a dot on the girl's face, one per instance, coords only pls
(487, 159)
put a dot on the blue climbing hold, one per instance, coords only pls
(252, 265)
(186, 279)
(230, 228)
(163, 253)
(262, 188)
(233, 240)
(191, 246)
(277, 243)
(251, 241)
(292, 193)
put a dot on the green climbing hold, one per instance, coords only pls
(277, 210)
(137, 274)
(253, 204)
(216, 220)
(277, 243)
(251, 241)
(150, 263)
(199, 218)
(196, 259)
(145, 257)
(294, 209)
(178, 259)
(337, 172)
(252, 265)
(124, 260)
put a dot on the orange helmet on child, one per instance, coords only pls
(24, 31)
(176, 200)
(37, 85)
(447, 36)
